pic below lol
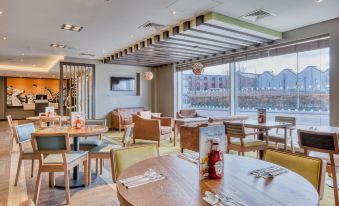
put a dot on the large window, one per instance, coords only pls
(294, 84)
(208, 93)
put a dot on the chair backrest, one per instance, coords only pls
(100, 122)
(128, 134)
(23, 132)
(50, 143)
(188, 113)
(326, 142)
(311, 168)
(145, 114)
(128, 156)
(285, 119)
(51, 120)
(234, 129)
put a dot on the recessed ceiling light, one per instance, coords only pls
(23, 54)
(319, 1)
(71, 27)
(174, 12)
(4, 38)
(131, 35)
(1, 12)
(57, 45)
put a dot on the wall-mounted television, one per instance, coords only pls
(123, 84)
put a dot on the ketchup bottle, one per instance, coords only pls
(216, 161)
(78, 123)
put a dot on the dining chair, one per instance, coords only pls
(322, 145)
(45, 121)
(125, 157)
(11, 129)
(22, 135)
(237, 139)
(311, 168)
(277, 137)
(88, 144)
(55, 155)
(103, 151)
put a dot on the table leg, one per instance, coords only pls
(261, 137)
(76, 147)
(77, 180)
(285, 138)
(175, 132)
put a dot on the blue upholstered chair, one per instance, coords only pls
(22, 135)
(55, 155)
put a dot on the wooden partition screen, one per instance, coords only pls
(79, 93)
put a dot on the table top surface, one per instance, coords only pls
(86, 131)
(266, 125)
(193, 119)
(182, 185)
(318, 128)
(36, 118)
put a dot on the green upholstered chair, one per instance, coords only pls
(55, 155)
(322, 145)
(237, 139)
(311, 168)
(103, 151)
(278, 137)
(22, 135)
(126, 157)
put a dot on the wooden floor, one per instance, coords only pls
(101, 192)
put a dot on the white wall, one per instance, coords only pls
(105, 101)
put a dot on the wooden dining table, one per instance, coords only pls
(182, 185)
(88, 130)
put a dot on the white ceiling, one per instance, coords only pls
(31, 26)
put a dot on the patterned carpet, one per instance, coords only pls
(168, 148)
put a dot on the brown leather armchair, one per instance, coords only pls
(187, 113)
(154, 129)
(122, 117)
(189, 137)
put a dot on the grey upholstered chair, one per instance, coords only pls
(55, 155)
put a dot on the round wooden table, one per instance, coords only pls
(182, 185)
(90, 130)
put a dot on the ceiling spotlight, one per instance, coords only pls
(319, 1)
(71, 27)
(174, 12)
(4, 38)
(131, 35)
(57, 45)
(1, 12)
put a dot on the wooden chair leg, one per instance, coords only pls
(32, 168)
(335, 184)
(11, 146)
(37, 188)
(112, 168)
(86, 172)
(101, 164)
(67, 194)
(18, 171)
(96, 166)
(158, 143)
(89, 171)
(51, 179)
(182, 150)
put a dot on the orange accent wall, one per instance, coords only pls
(27, 84)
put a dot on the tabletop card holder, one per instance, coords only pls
(206, 134)
(77, 120)
(49, 111)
